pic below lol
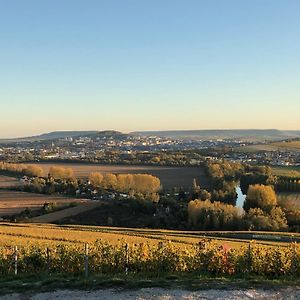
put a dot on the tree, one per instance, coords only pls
(95, 179)
(213, 216)
(257, 219)
(33, 171)
(125, 182)
(61, 173)
(260, 196)
(204, 195)
(109, 181)
(278, 218)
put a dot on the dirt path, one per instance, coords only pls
(161, 294)
(68, 212)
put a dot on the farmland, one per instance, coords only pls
(274, 146)
(290, 145)
(46, 234)
(286, 171)
(35, 249)
(169, 176)
(14, 202)
(291, 199)
(52, 250)
(7, 182)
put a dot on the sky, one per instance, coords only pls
(148, 65)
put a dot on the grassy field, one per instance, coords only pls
(13, 202)
(274, 146)
(46, 234)
(289, 199)
(169, 176)
(286, 171)
(291, 145)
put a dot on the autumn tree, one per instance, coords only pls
(125, 182)
(61, 173)
(95, 179)
(257, 219)
(109, 181)
(33, 171)
(144, 183)
(260, 196)
(213, 216)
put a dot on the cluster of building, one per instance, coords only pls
(90, 147)
(272, 158)
(94, 147)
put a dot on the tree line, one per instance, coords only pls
(262, 212)
(62, 180)
(263, 175)
(21, 169)
(139, 183)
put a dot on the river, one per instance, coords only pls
(240, 197)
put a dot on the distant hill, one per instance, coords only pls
(249, 134)
(64, 134)
(252, 134)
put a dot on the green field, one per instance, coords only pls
(274, 146)
(286, 171)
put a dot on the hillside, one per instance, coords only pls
(251, 134)
(64, 134)
(47, 234)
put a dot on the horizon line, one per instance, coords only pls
(157, 130)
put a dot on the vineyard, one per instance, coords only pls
(28, 249)
(104, 258)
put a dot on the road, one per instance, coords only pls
(162, 294)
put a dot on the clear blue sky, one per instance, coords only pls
(148, 65)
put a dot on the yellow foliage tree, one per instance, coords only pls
(95, 179)
(260, 196)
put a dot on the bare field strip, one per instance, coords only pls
(13, 202)
(65, 213)
(169, 176)
(7, 181)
